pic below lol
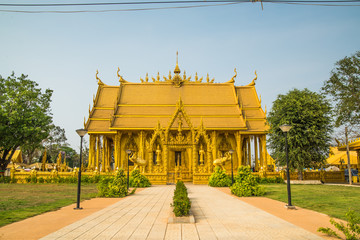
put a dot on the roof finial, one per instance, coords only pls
(177, 69)
(99, 80)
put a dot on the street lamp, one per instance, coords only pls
(286, 128)
(81, 133)
(232, 172)
(128, 152)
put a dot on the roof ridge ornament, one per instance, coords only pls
(121, 79)
(99, 80)
(253, 81)
(232, 80)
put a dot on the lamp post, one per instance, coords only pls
(232, 172)
(128, 152)
(81, 133)
(286, 128)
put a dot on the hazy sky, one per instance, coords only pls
(290, 46)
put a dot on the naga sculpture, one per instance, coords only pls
(221, 161)
(137, 161)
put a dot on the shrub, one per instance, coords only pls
(5, 179)
(41, 180)
(113, 186)
(351, 230)
(138, 180)
(219, 178)
(181, 201)
(270, 180)
(245, 184)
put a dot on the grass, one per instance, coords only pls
(20, 201)
(332, 200)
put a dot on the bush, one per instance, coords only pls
(5, 179)
(138, 180)
(219, 178)
(351, 230)
(181, 201)
(113, 186)
(270, 180)
(246, 184)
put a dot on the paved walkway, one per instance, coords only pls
(218, 216)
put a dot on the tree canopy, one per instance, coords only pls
(309, 114)
(343, 87)
(25, 117)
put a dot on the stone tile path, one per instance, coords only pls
(218, 216)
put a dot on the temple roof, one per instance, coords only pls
(337, 157)
(142, 105)
(354, 145)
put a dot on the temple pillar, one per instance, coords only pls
(256, 153)
(214, 144)
(263, 161)
(166, 158)
(98, 148)
(92, 145)
(117, 150)
(358, 159)
(249, 152)
(239, 152)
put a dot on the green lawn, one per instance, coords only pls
(20, 201)
(332, 200)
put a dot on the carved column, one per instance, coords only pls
(91, 161)
(98, 148)
(117, 150)
(239, 151)
(263, 152)
(249, 152)
(214, 144)
(256, 153)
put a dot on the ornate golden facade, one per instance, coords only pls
(176, 127)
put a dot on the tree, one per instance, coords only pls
(25, 116)
(54, 141)
(344, 88)
(309, 114)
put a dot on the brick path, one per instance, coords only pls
(218, 216)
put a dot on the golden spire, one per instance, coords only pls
(177, 69)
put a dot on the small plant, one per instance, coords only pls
(181, 201)
(138, 180)
(113, 186)
(245, 184)
(219, 178)
(351, 230)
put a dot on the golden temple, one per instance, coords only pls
(176, 127)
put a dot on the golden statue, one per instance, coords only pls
(221, 161)
(201, 153)
(158, 159)
(137, 161)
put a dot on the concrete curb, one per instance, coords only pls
(185, 219)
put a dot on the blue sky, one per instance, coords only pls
(290, 46)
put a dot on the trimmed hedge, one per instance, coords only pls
(181, 201)
(245, 184)
(138, 180)
(219, 178)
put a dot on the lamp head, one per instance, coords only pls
(285, 128)
(231, 151)
(128, 151)
(81, 132)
